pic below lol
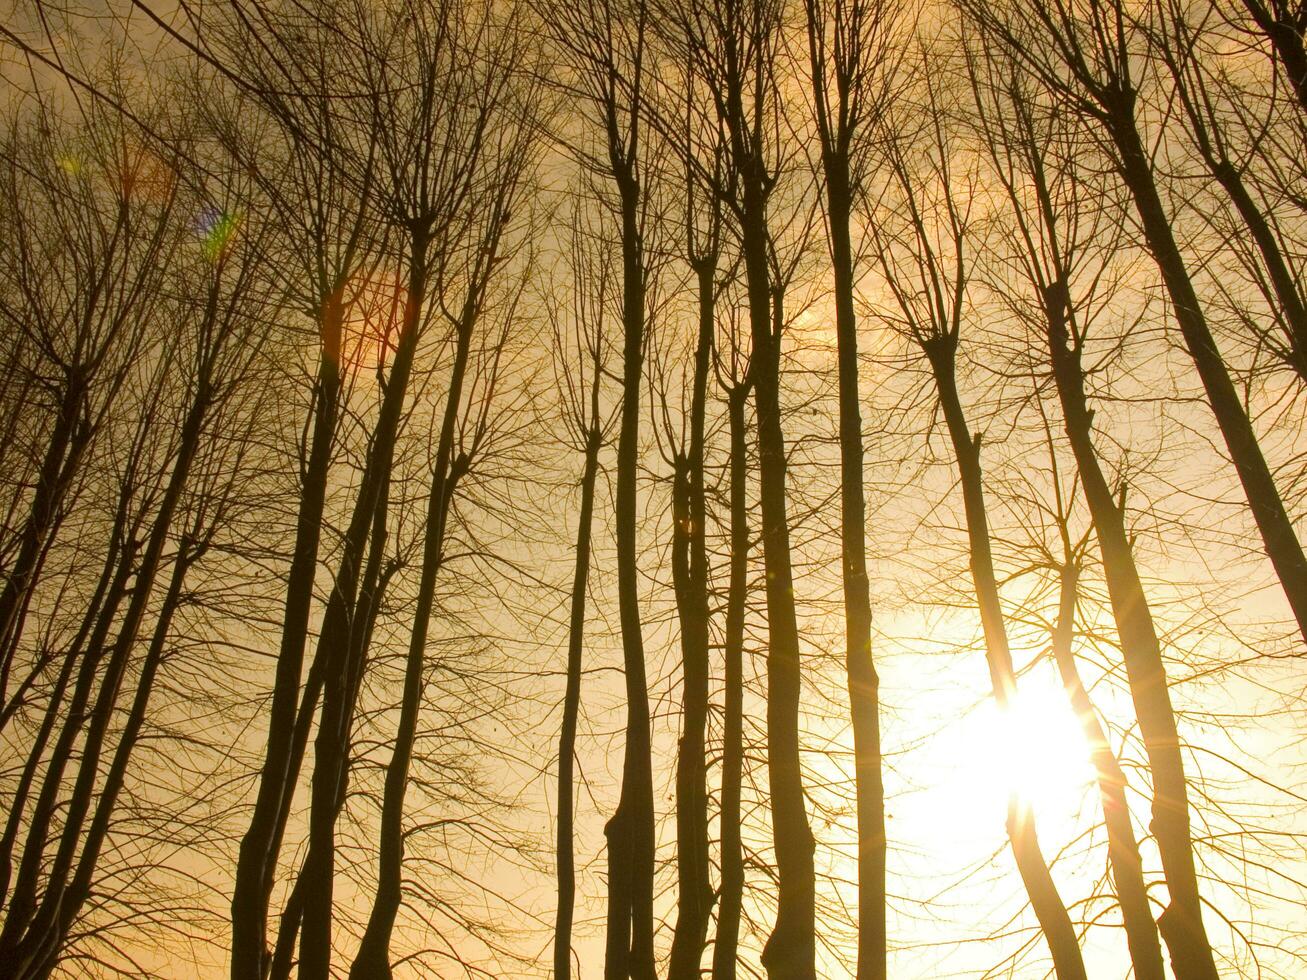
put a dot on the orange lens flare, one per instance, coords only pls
(362, 320)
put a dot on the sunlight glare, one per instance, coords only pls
(1036, 748)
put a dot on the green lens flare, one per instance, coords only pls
(217, 229)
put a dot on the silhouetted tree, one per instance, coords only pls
(581, 387)
(926, 266)
(605, 47)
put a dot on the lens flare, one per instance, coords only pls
(217, 230)
(369, 310)
(144, 176)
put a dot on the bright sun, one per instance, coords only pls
(1036, 749)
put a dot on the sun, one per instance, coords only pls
(982, 755)
(1035, 748)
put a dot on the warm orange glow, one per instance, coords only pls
(372, 314)
(142, 174)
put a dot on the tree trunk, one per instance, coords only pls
(690, 575)
(373, 959)
(1181, 924)
(864, 684)
(1122, 848)
(572, 706)
(630, 832)
(375, 579)
(331, 746)
(1278, 536)
(256, 864)
(791, 949)
(1049, 909)
(732, 889)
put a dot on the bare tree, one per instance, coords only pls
(732, 371)
(77, 357)
(218, 332)
(925, 261)
(504, 176)
(1085, 55)
(1283, 24)
(426, 193)
(1060, 241)
(605, 46)
(703, 153)
(322, 207)
(588, 430)
(1212, 112)
(850, 45)
(736, 45)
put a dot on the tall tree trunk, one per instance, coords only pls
(864, 683)
(331, 746)
(732, 889)
(1050, 911)
(1278, 536)
(61, 460)
(630, 831)
(256, 863)
(791, 949)
(110, 591)
(376, 576)
(30, 952)
(745, 36)
(373, 959)
(690, 575)
(1122, 848)
(572, 703)
(1181, 924)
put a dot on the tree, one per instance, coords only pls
(429, 196)
(736, 45)
(703, 152)
(218, 325)
(1084, 55)
(926, 269)
(323, 209)
(731, 367)
(850, 45)
(605, 47)
(588, 430)
(1033, 158)
(1228, 156)
(505, 177)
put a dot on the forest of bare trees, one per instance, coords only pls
(653, 488)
